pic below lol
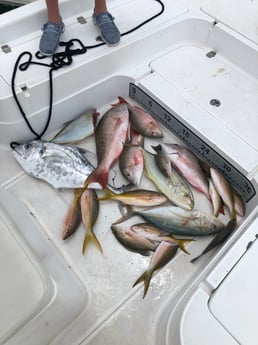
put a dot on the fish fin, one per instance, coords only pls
(145, 278)
(90, 237)
(219, 238)
(120, 100)
(222, 211)
(95, 118)
(98, 178)
(127, 215)
(77, 195)
(196, 258)
(108, 195)
(182, 244)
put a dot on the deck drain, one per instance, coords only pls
(215, 102)
(81, 20)
(211, 54)
(6, 48)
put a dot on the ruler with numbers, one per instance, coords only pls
(240, 182)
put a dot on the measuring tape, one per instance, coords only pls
(195, 143)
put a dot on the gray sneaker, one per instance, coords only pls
(50, 38)
(108, 29)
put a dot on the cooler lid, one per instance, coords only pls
(234, 303)
(239, 15)
(36, 283)
(222, 309)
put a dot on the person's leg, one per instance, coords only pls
(105, 22)
(100, 6)
(52, 30)
(53, 13)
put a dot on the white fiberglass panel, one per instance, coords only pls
(227, 93)
(40, 295)
(234, 303)
(239, 15)
(22, 286)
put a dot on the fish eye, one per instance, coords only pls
(27, 146)
(41, 152)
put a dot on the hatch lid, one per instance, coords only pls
(239, 15)
(37, 286)
(221, 305)
(234, 303)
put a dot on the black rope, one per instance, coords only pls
(59, 60)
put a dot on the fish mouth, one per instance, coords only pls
(15, 147)
(17, 152)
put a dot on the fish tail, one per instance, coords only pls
(90, 237)
(120, 100)
(233, 214)
(127, 215)
(145, 278)
(108, 195)
(95, 118)
(196, 258)
(182, 244)
(220, 238)
(98, 176)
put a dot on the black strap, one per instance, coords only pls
(59, 60)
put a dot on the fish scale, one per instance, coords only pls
(67, 166)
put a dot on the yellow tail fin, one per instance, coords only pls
(90, 237)
(145, 278)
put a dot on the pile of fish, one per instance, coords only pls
(173, 169)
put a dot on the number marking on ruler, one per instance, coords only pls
(196, 144)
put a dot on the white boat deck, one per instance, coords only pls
(51, 293)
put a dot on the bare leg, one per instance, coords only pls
(100, 6)
(53, 11)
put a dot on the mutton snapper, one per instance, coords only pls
(131, 160)
(110, 135)
(59, 165)
(175, 220)
(142, 121)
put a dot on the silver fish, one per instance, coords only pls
(174, 189)
(59, 165)
(187, 164)
(78, 129)
(175, 220)
(163, 254)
